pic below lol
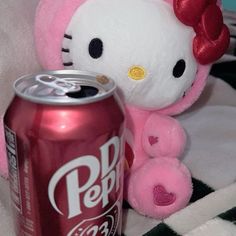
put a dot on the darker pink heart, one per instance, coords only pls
(153, 140)
(162, 197)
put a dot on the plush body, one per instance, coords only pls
(160, 56)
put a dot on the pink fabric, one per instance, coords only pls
(3, 158)
(52, 18)
(146, 126)
(163, 136)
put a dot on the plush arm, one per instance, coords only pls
(163, 136)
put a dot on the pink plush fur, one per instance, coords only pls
(159, 187)
(156, 177)
(150, 128)
(52, 18)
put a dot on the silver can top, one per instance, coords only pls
(64, 87)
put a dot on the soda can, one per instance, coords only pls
(64, 140)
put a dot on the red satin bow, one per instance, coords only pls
(212, 36)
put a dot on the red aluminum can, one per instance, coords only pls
(64, 140)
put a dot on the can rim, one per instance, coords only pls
(109, 88)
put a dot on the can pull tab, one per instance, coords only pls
(61, 85)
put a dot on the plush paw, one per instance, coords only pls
(159, 188)
(163, 137)
(162, 197)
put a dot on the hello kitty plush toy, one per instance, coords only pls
(159, 53)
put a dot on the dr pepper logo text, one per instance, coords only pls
(104, 177)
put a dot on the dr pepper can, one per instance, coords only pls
(64, 140)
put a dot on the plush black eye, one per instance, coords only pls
(96, 48)
(179, 68)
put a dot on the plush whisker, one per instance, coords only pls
(68, 36)
(68, 63)
(66, 50)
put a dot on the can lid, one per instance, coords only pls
(64, 87)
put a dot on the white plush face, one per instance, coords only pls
(138, 43)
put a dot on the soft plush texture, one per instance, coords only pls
(52, 18)
(156, 73)
(159, 194)
(17, 54)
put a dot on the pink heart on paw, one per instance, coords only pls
(162, 197)
(153, 140)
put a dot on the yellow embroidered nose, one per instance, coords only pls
(137, 73)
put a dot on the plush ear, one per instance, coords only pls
(51, 21)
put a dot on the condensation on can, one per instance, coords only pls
(64, 138)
